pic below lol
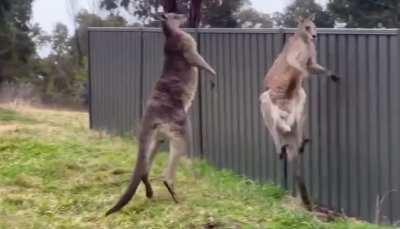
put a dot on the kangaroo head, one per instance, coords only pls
(306, 28)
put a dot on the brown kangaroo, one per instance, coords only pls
(283, 100)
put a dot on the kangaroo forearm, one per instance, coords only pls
(196, 59)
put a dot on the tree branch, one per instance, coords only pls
(195, 13)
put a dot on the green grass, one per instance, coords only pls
(8, 116)
(55, 173)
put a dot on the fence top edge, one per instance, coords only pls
(130, 29)
(248, 30)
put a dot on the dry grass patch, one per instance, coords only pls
(55, 173)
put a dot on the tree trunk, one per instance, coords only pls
(195, 13)
(170, 6)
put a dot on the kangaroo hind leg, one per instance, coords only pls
(179, 146)
(301, 120)
(153, 148)
(299, 176)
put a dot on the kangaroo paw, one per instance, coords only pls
(171, 191)
(303, 145)
(149, 189)
(283, 153)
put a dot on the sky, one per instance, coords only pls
(48, 12)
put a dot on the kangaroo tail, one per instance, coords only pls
(305, 198)
(139, 172)
(302, 186)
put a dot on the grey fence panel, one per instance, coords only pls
(394, 127)
(354, 125)
(234, 135)
(384, 62)
(373, 77)
(153, 58)
(363, 104)
(115, 80)
(362, 107)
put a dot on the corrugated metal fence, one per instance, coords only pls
(354, 156)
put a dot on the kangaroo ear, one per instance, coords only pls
(219, 2)
(312, 17)
(160, 16)
(300, 19)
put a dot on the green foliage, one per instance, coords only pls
(60, 40)
(61, 77)
(251, 18)
(55, 173)
(304, 8)
(367, 13)
(9, 116)
(85, 20)
(58, 69)
(64, 71)
(213, 14)
(223, 16)
(40, 38)
(16, 45)
(5, 6)
(141, 9)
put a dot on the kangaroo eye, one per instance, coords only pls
(308, 28)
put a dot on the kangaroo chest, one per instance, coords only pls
(190, 88)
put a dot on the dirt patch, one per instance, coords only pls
(322, 213)
(326, 215)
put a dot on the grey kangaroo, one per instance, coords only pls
(166, 111)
